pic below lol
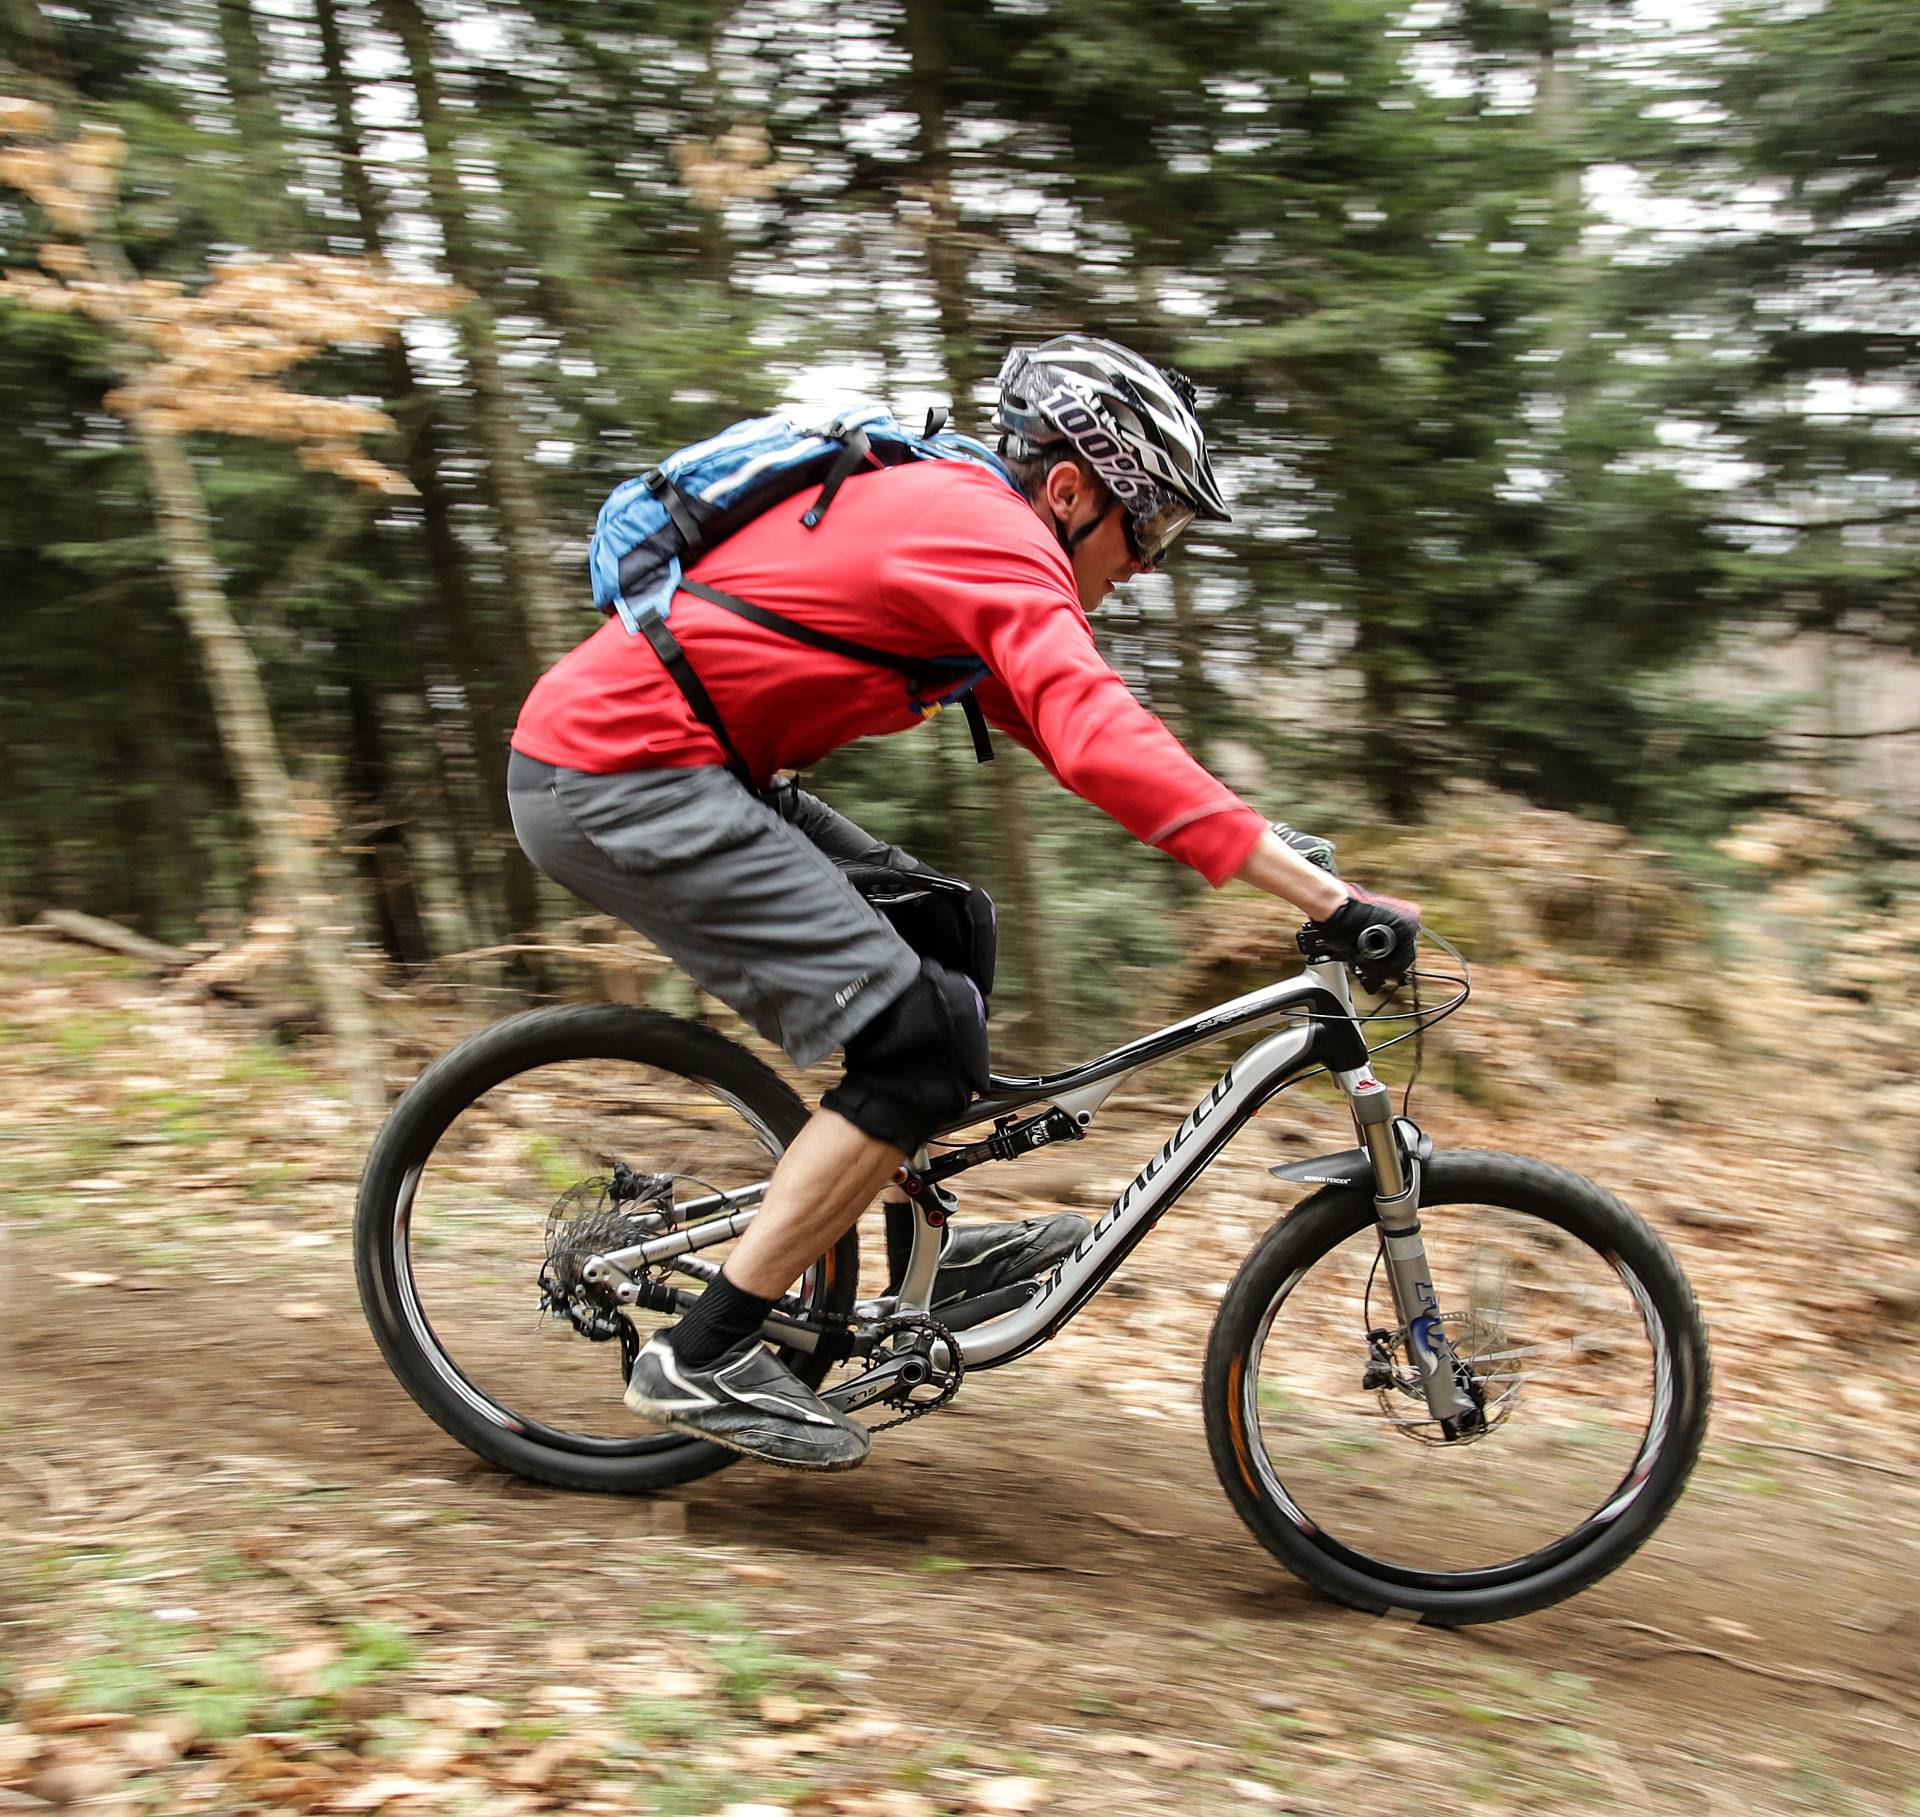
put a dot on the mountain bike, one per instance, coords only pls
(1462, 1385)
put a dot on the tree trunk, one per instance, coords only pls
(262, 131)
(293, 868)
(548, 623)
(966, 361)
(1029, 948)
(1557, 108)
(1191, 687)
(380, 846)
(448, 634)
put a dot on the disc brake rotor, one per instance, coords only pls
(1488, 1363)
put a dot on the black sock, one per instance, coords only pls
(901, 1221)
(899, 1243)
(720, 1318)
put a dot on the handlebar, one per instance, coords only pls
(1375, 942)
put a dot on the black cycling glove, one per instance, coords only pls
(1376, 935)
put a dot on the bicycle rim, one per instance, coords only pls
(1567, 1349)
(519, 1181)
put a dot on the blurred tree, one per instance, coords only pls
(1795, 296)
(1500, 470)
(213, 360)
(444, 647)
(967, 367)
(524, 530)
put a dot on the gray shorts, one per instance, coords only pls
(747, 902)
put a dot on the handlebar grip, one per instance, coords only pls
(1375, 942)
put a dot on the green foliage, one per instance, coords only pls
(749, 1664)
(221, 1681)
(1500, 482)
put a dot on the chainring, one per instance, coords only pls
(947, 1381)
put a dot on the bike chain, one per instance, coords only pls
(908, 1321)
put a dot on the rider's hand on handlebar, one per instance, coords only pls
(1376, 935)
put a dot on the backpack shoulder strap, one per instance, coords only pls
(853, 457)
(917, 670)
(805, 634)
(674, 659)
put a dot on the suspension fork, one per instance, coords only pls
(1396, 1207)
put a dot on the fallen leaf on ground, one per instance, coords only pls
(749, 1571)
(301, 1309)
(891, 1802)
(70, 1777)
(541, 1766)
(863, 1728)
(19, 1748)
(1011, 1795)
(1144, 1747)
(150, 1747)
(299, 1669)
(390, 1788)
(458, 1711)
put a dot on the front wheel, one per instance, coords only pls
(510, 1161)
(1585, 1351)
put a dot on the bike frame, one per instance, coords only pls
(1328, 1038)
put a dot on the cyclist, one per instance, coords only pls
(621, 790)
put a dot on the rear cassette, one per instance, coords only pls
(612, 1212)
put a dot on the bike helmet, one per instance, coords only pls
(1131, 420)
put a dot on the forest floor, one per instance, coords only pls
(243, 1573)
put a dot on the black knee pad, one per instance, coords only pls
(918, 1063)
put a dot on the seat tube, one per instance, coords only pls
(930, 1208)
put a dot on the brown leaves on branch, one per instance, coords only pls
(73, 181)
(737, 166)
(219, 353)
(209, 356)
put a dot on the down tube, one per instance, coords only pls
(1207, 1128)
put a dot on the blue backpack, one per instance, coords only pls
(653, 527)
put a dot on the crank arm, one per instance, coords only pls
(877, 1382)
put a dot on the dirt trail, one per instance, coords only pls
(1038, 1600)
(1044, 1574)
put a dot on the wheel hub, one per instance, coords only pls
(1491, 1383)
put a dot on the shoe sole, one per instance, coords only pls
(687, 1429)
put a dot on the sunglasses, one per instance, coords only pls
(1150, 537)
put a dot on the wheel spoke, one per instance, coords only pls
(1569, 1366)
(483, 1205)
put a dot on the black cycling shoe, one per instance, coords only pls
(749, 1401)
(977, 1258)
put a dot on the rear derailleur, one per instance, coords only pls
(614, 1212)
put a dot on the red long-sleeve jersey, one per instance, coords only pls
(935, 558)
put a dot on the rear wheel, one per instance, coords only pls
(1583, 1345)
(528, 1146)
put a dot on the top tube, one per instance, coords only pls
(1268, 1004)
